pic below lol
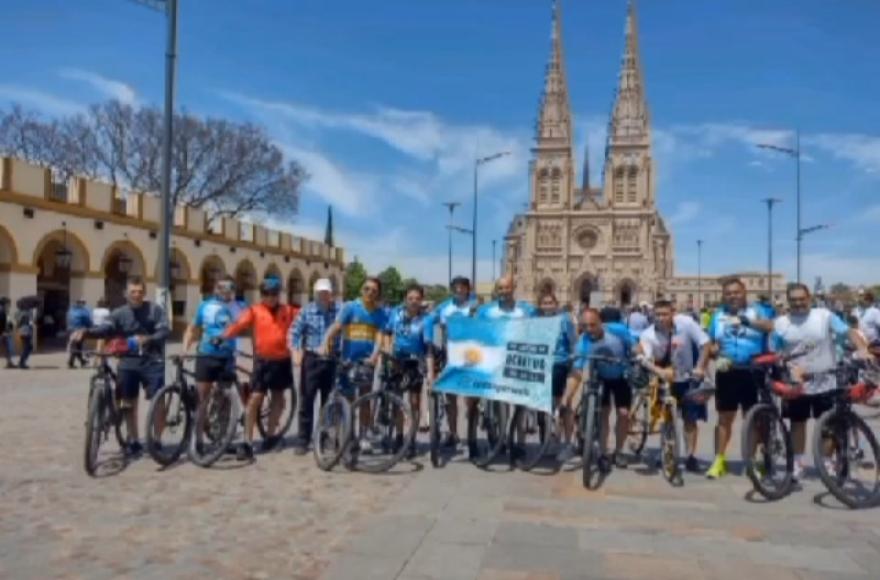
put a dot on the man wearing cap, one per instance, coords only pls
(273, 370)
(78, 318)
(316, 372)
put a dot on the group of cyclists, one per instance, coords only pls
(313, 340)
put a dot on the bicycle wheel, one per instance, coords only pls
(378, 447)
(670, 449)
(847, 457)
(487, 431)
(530, 435)
(767, 452)
(591, 443)
(435, 417)
(332, 432)
(218, 419)
(640, 424)
(95, 421)
(285, 420)
(174, 404)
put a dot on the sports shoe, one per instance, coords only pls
(135, 448)
(798, 470)
(245, 452)
(718, 468)
(604, 464)
(691, 464)
(365, 447)
(565, 454)
(619, 460)
(451, 441)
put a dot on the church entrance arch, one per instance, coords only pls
(626, 293)
(584, 287)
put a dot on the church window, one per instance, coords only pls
(632, 179)
(618, 185)
(554, 192)
(543, 180)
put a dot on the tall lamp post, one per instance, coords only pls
(770, 201)
(163, 292)
(451, 205)
(699, 275)
(477, 163)
(796, 154)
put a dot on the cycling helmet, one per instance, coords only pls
(270, 285)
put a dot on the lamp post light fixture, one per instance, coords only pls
(795, 153)
(477, 163)
(451, 205)
(63, 256)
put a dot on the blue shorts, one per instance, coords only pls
(691, 412)
(131, 380)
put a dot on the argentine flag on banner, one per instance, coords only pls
(508, 360)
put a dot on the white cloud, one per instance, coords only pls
(336, 185)
(44, 102)
(861, 150)
(685, 212)
(111, 88)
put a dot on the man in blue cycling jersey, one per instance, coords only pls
(461, 303)
(738, 333)
(406, 342)
(217, 363)
(505, 306)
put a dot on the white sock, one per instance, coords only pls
(799, 459)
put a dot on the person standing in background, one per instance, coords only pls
(7, 338)
(25, 326)
(100, 317)
(78, 318)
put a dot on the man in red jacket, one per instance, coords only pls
(273, 368)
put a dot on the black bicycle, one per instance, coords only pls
(285, 420)
(332, 435)
(171, 413)
(487, 430)
(530, 435)
(437, 415)
(845, 450)
(103, 414)
(383, 426)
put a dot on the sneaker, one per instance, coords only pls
(267, 445)
(718, 468)
(398, 443)
(619, 460)
(244, 452)
(797, 473)
(604, 464)
(365, 447)
(691, 464)
(565, 454)
(451, 441)
(135, 448)
(412, 452)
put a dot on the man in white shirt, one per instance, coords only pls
(813, 329)
(869, 318)
(674, 342)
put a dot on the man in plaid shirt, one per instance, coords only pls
(316, 372)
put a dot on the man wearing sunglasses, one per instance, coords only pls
(273, 369)
(217, 361)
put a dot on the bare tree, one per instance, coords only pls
(227, 169)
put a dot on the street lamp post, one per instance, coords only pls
(796, 154)
(770, 201)
(451, 205)
(477, 163)
(699, 275)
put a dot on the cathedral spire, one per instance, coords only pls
(554, 118)
(629, 120)
(586, 183)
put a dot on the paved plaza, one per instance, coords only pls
(281, 517)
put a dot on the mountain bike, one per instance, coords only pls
(437, 411)
(640, 426)
(332, 435)
(663, 418)
(285, 421)
(487, 430)
(177, 401)
(103, 413)
(385, 437)
(845, 449)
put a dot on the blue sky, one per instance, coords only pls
(387, 103)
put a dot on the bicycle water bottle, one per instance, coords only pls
(133, 346)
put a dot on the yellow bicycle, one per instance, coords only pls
(659, 415)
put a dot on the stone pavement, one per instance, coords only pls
(282, 517)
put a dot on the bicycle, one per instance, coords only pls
(332, 434)
(588, 415)
(288, 411)
(766, 445)
(437, 411)
(838, 453)
(391, 427)
(663, 418)
(531, 434)
(103, 413)
(640, 426)
(487, 430)
(178, 401)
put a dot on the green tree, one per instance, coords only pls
(436, 293)
(392, 285)
(355, 274)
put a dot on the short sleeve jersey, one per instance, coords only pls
(407, 332)
(737, 342)
(213, 316)
(359, 329)
(679, 347)
(565, 343)
(609, 345)
(869, 324)
(817, 331)
(494, 311)
(444, 311)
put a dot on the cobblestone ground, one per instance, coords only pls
(279, 517)
(282, 517)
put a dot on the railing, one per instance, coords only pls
(58, 192)
(119, 206)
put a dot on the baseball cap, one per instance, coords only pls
(323, 285)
